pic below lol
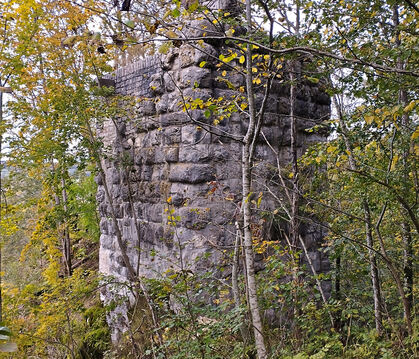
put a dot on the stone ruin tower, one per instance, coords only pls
(163, 162)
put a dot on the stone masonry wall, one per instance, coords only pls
(162, 161)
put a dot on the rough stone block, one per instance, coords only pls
(149, 155)
(207, 53)
(172, 135)
(186, 55)
(195, 154)
(194, 218)
(197, 93)
(162, 104)
(115, 176)
(321, 98)
(154, 213)
(170, 81)
(194, 135)
(195, 77)
(219, 153)
(191, 173)
(157, 84)
(146, 173)
(173, 119)
(103, 225)
(146, 107)
(171, 154)
(100, 195)
(231, 79)
(160, 173)
(125, 193)
(169, 58)
(178, 199)
(98, 179)
(197, 28)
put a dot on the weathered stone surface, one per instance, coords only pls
(169, 81)
(187, 56)
(199, 28)
(195, 77)
(157, 84)
(191, 173)
(196, 154)
(194, 134)
(171, 154)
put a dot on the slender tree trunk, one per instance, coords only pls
(294, 156)
(373, 270)
(246, 191)
(235, 281)
(407, 238)
(374, 275)
(249, 259)
(294, 222)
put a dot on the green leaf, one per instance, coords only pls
(130, 24)
(176, 12)
(193, 6)
(313, 80)
(5, 331)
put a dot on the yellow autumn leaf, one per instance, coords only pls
(369, 119)
(415, 134)
(394, 162)
(242, 59)
(331, 149)
(410, 106)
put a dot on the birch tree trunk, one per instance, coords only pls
(246, 192)
(406, 236)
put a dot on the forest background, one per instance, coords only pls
(361, 184)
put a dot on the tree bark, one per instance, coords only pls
(235, 281)
(373, 270)
(407, 238)
(294, 160)
(246, 192)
